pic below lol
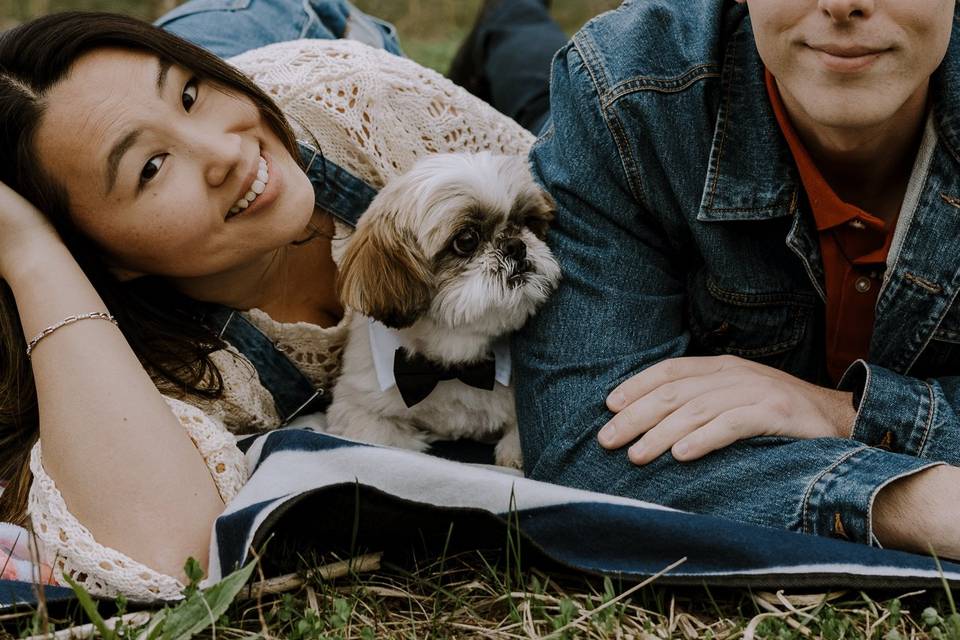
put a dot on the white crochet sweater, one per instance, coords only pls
(374, 114)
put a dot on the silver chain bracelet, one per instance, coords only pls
(96, 315)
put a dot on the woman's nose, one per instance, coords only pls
(221, 154)
(847, 10)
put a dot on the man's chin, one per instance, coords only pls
(852, 110)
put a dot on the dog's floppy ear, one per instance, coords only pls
(384, 274)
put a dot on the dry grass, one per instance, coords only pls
(473, 596)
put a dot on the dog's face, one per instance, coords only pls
(458, 239)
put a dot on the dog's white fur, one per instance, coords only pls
(400, 267)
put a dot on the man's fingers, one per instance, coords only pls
(693, 415)
(664, 372)
(722, 431)
(645, 413)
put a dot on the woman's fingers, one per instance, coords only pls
(686, 420)
(646, 412)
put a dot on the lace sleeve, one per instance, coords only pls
(374, 113)
(69, 547)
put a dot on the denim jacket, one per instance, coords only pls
(683, 229)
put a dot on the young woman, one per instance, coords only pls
(148, 190)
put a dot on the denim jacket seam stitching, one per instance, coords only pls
(931, 412)
(585, 50)
(747, 209)
(627, 162)
(660, 85)
(760, 299)
(729, 66)
(860, 418)
(813, 483)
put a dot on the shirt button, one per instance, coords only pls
(857, 224)
(862, 285)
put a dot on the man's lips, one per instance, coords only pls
(847, 58)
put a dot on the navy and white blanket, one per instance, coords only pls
(329, 492)
(312, 492)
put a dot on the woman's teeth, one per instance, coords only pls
(258, 187)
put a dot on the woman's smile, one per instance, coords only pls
(263, 189)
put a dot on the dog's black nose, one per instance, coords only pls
(514, 248)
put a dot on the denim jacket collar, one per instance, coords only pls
(751, 175)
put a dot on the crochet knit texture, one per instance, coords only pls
(370, 112)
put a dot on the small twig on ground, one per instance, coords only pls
(291, 581)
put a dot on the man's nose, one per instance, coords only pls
(847, 10)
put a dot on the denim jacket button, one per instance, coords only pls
(886, 442)
(838, 530)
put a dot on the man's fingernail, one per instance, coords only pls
(637, 452)
(615, 400)
(681, 449)
(607, 434)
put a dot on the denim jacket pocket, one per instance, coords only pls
(754, 325)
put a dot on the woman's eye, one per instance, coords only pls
(151, 169)
(189, 95)
(466, 243)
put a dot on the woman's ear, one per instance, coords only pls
(384, 274)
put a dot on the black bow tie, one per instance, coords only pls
(416, 376)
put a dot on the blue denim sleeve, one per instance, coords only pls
(908, 415)
(619, 307)
(230, 27)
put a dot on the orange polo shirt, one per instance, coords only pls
(854, 245)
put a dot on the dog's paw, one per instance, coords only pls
(507, 452)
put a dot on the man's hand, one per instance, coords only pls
(693, 406)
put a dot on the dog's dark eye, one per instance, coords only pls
(538, 225)
(467, 242)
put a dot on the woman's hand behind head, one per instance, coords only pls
(24, 231)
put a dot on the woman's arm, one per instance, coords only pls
(125, 466)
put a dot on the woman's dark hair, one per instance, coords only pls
(160, 324)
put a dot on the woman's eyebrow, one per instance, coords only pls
(125, 143)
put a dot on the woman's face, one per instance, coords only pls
(155, 164)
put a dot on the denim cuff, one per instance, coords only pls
(894, 412)
(839, 501)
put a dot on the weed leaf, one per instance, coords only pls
(90, 607)
(203, 608)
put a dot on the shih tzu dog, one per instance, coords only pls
(448, 261)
